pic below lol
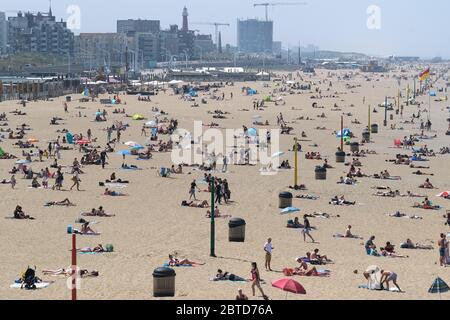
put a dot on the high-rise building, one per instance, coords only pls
(39, 33)
(147, 50)
(276, 48)
(3, 33)
(255, 36)
(203, 44)
(130, 26)
(98, 49)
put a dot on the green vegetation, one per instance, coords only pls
(21, 61)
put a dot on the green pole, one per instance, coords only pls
(212, 251)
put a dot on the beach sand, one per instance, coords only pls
(150, 223)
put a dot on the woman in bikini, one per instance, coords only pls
(174, 262)
(256, 280)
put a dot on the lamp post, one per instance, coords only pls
(295, 162)
(212, 244)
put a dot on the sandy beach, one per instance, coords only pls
(150, 223)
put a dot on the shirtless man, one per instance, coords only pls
(388, 276)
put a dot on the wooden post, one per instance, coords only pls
(74, 266)
(295, 162)
(342, 133)
(368, 125)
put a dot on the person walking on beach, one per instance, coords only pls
(443, 244)
(89, 134)
(256, 280)
(143, 131)
(306, 229)
(192, 190)
(268, 247)
(76, 181)
(219, 193)
(103, 156)
(13, 181)
(225, 163)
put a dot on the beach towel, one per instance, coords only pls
(115, 185)
(167, 265)
(39, 285)
(365, 286)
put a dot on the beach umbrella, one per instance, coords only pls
(438, 286)
(137, 147)
(130, 143)
(83, 141)
(277, 154)
(124, 152)
(252, 132)
(444, 194)
(289, 210)
(289, 285)
(151, 124)
(23, 161)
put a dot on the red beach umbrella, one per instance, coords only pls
(289, 285)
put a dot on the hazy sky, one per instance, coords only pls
(407, 27)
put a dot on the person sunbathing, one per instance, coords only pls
(411, 245)
(203, 204)
(341, 201)
(174, 262)
(86, 229)
(304, 270)
(388, 251)
(307, 196)
(113, 193)
(347, 234)
(294, 224)
(98, 248)
(420, 173)
(398, 214)
(217, 214)
(69, 271)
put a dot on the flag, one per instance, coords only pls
(424, 74)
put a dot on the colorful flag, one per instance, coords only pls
(424, 74)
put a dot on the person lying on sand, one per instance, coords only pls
(113, 193)
(98, 248)
(220, 276)
(321, 259)
(420, 173)
(304, 270)
(389, 193)
(307, 196)
(202, 204)
(403, 215)
(217, 214)
(411, 245)
(97, 213)
(68, 272)
(174, 262)
(339, 201)
(66, 202)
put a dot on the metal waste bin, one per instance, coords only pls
(321, 173)
(374, 128)
(391, 117)
(340, 156)
(366, 136)
(285, 200)
(354, 147)
(236, 230)
(164, 282)
(68, 98)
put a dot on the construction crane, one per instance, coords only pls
(273, 4)
(216, 25)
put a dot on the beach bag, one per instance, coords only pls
(109, 248)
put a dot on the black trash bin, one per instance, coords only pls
(340, 156)
(164, 282)
(321, 173)
(374, 128)
(354, 147)
(366, 136)
(391, 117)
(285, 200)
(236, 230)
(68, 98)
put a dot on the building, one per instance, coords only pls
(203, 44)
(3, 33)
(255, 36)
(146, 47)
(169, 43)
(130, 26)
(99, 49)
(277, 48)
(39, 33)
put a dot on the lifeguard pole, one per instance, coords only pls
(295, 162)
(74, 266)
(212, 245)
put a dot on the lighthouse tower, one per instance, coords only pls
(185, 20)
